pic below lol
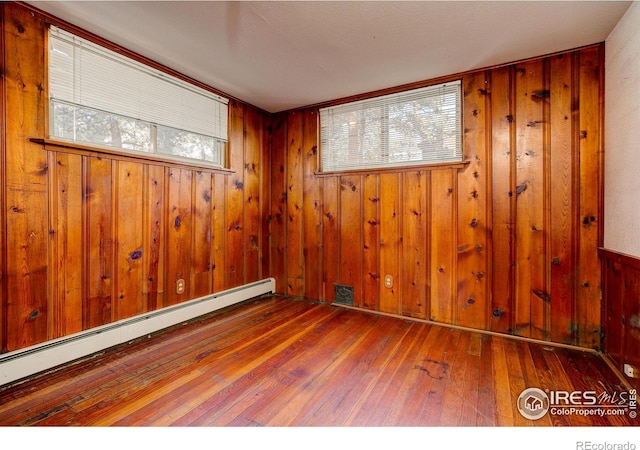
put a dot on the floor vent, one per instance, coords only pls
(344, 294)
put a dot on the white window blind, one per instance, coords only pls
(92, 88)
(420, 126)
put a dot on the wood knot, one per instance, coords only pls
(136, 254)
(542, 94)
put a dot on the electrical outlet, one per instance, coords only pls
(388, 281)
(180, 286)
(631, 371)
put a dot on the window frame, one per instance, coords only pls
(220, 145)
(457, 160)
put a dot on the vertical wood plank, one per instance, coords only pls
(201, 278)
(613, 292)
(443, 243)
(129, 257)
(234, 203)
(179, 234)
(312, 207)
(562, 193)
(331, 237)
(219, 237)
(371, 242)
(530, 244)
(414, 265)
(541, 309)
(503, 200)
(265, 197)
(99, 243)
(351, 234)
(630, 308)
(471, 306)
(66, 237)
(3, 208)
(588, 296)
(278, 222)
(154, 228)
(390, 297)
(295, 259)
(252, 200)
(25, 174)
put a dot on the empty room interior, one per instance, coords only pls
(295, 214)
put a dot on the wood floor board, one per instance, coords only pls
(393, 383)
(170, 359)
(487, 412)
(276, 361)
(336, 400)
(373, 408)
(290, 378)
(245, 390)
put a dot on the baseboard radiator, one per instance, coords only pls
(29, 361)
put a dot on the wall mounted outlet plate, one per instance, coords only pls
(180, 286)
(631, 371)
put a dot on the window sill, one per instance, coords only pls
(151, 158)
(410, 168)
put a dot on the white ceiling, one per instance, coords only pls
(280, 55)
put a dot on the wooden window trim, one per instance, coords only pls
(406, 168)
(123, 155)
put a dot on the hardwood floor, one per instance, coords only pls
(282, 362)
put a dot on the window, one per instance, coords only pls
(100, 97)
(420, 126)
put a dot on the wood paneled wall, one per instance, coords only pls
(621, 310)
(89, 238)
(505, 242)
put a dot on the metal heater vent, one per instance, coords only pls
(344, 294)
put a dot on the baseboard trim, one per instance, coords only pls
(474, 330)
(29, 361)
(616, 371)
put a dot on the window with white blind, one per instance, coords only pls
(420, 126)
(100, 97)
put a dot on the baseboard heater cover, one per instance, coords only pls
(29, 361)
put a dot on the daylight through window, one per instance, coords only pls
(420, 126)
(100, 97)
